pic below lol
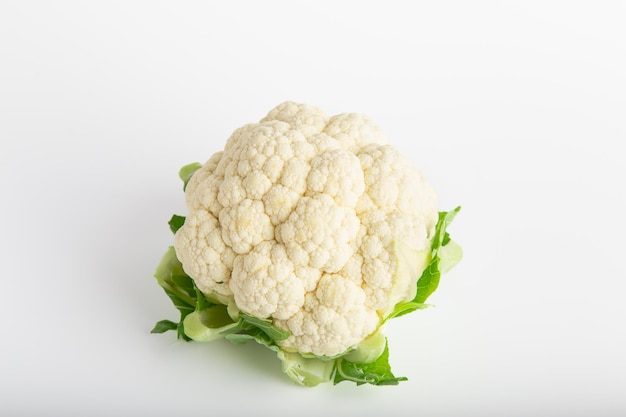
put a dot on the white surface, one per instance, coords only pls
(516, 112)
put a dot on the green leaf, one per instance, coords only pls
(266, 326)
(168, 266)
(375, 373)
(187, 172)
(176, 222)
(442, 237)
(201, 302)
(181, 304)
(240, 338)
(171, 276)
(254, 334)
(429, 281)
(163, 326)
(184, 285)
(405, 308)
(450, 254)
(209, 324)
(180, 328)
(178, 286)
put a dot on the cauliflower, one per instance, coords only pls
(306, 233)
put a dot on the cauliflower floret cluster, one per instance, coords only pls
(294, 221)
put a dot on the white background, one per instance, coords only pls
(514, 110)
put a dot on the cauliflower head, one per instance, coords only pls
(303, 220)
